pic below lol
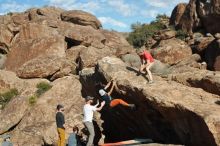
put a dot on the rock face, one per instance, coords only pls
(197, 14)
(117, 42)
(2, 60)
(42, 67)
(171, 51)
(40, 125)
(212, 53)
(164, 35)
(12, 114)
(209, 13)
(5, 38)
(32, 42)
(209, 81)
(177, 14)
(35, 124)
(44, 13)
(202, 43)
(81, 18)
(176, 108)
(39, 35)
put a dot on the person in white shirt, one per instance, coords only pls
(88, 111)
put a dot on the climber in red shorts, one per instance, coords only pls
(147, 61)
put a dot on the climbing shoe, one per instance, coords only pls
(133, 106)
(150, 82)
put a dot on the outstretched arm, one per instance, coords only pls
(108, 85)
(113, 85)
(97, 103)
(100, 108)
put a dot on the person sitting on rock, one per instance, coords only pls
(74, 137)
(6, 141)
(106, 96)
(147, 62)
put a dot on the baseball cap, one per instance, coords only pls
(89, 98)
(102, 92)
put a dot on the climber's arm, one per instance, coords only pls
(108, 85)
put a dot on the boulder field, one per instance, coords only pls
(71, 53)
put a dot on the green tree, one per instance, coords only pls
(141, 32)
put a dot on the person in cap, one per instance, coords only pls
(60, 122)
(106, 96)
(88, 111)
(6, 140)
(147, 61)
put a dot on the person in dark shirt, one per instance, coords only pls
(106, 96)
(60, 121)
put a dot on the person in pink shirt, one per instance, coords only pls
(147, 61)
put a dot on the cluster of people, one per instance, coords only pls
(147, 62)
(89, 108)
(88, 111)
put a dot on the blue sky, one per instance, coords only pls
(114, 14)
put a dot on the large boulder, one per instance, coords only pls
(20, 18)
(171, 51)
(197, 14)
(35, 30)
(212, 53)
(207, 80)
(164, 35)
(193, 61)
(189, 114)
(37, 126)
(177, 14)
(81, 18)
(14, 111)
(209, 12)
(189, 20)
(132, 60)
(84, 35)
(6, 37)
(89, 55)
(117, 42)
(9, 80)
(150, 42)
(52, 13)
(43, 67)
(35, 41)
(111, 44)
(202, 43)
(2, 60)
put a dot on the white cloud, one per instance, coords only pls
(149, 13)
(61, 3)
(12, 6)
(124, 8)
(111, 21)
(90, 6)
(164, 3)
(157, 3)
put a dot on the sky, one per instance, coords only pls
(114, 14)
